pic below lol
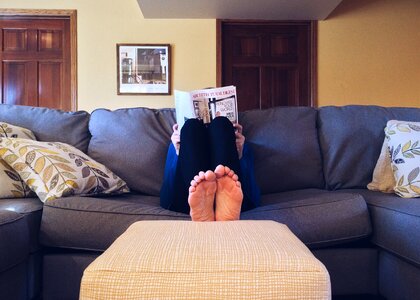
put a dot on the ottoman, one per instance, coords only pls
(206, 260)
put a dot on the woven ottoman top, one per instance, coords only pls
(206, 260)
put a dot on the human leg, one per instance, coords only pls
(194, 156)
(223, 145)
(224, 152)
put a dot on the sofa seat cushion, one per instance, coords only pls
(319, 218)
(396, 223)
(93, 223)
(14, 239)
(30, 210)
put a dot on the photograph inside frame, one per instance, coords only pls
(143, 69)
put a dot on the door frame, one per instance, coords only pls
(70, 14)
(312, 51)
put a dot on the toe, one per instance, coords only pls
(219, 171)
(210, 176)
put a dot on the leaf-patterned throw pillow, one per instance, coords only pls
(404, 147)
(383, 178)
(12, 131)
(11, 185)
(54, 170)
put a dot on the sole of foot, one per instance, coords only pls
(229, 194)
(202, 192)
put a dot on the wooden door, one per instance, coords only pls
(270, 63)
(36, 62)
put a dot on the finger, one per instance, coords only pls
(238, 127)
(239, 135)
(175, 140)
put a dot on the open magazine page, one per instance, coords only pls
(223, 102)
(183, 107)
(206, 104)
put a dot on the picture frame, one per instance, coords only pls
(143, 69)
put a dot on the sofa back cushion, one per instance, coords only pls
(50, 125)
(133, 143)
(285, 145)
(351, 138)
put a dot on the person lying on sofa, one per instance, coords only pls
(209, 171)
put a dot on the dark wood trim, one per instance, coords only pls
(63, 13)
(313, 51)
(250, 21)
(314, 64)
(219, 50)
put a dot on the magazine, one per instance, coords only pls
(206, 104)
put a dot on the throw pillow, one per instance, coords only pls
(54, 170)
(12, 131)
(404, 146)
(12, 186)
(383, 178)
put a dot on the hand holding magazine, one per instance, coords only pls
(206, 104)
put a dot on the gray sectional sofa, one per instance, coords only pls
(312, 166)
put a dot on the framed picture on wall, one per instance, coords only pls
(143, 69)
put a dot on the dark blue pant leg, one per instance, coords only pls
(194, 156)
(224, 152)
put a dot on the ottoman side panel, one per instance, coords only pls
(102, 284)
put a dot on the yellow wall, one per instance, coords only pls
(369, 53)
(104, 23)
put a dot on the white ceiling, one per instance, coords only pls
(238, 9)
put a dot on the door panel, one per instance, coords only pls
(18, 88)
(284, 46)
(285, 91)
(14, 39)
(270, 63)
(50, 40)
(244, 46)
(247, 81)
(35, 62)
(50, 84)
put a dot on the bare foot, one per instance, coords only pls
(201, 199)
(229, 194)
